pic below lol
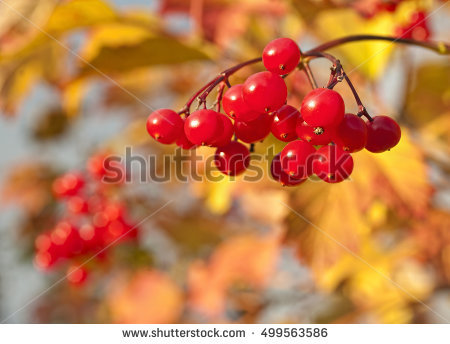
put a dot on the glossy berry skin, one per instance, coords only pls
(203, 126)
(297, 159)
(383, 133)
(164, 125)
(351, 133)
(332, 164)
(317, 136)
(184, 143)
(235, 107)
(323, 107)
(224, 137)
(232, 159)
(265, 92)
(280, 176)
(254, 131)
(281, 56)
(284, 122)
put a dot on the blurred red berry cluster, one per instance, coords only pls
(91, 222)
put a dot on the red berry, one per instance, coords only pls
(164, 125)
(265, 92)
(284, 122)
(76, 275)
(351, 133)
(235, 107)
(323, 107)
(383, 133)
(297, 158)
(254, 131)
(332, 164)
(203, 126)
(281, 56)
(226, 134)
(317, 136)
(183, 142)
(279, 175)
(232, 159)
(68, 184)
(67, 239)
(77, 205)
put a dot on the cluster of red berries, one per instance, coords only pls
(90, 225)
(258, 107)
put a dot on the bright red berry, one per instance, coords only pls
(254, 131)
(351, 133)
(164, 125)
(281, 56)
(297, 158)
(280, 176)
(284, 122)
(332, 164)
(226, 134)
(235, 107)
(317, 136)
(323, 107)
(383, 133)
(265, 92)
(183, 142)
(232, 159)
(203, 126)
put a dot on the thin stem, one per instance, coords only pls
(438, 47)
(202, 93)
(309, 74)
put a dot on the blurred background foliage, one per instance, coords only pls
(79, 77)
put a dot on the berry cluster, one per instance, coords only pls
(90, 225)
(320, 136)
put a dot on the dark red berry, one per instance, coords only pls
(317, 136)
(232, 159)
(183, 142)
(297, 158)
(224, 137)
(235, 107)
(351, 133)
(164, 125)
(254, 131)
(332, 164)
(284, 122)
(323, 107)
(280, 176)
(281, 56)
(265, 92)
(383, 133)
(203, 126)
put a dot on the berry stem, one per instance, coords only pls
(438, 47)
(304, 65)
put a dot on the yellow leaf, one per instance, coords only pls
(72, 96)
(370, 58)
(78, 13)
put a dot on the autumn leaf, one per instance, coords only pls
(149, 297)
(208, 282)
